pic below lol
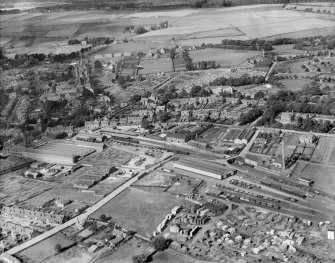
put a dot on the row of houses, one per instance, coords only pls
(167, 219)
(17, 229)
(33, 215)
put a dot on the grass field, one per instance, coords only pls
(295, 84)
(139, 210)
(223, 57)
(46, 248)
(325, 151)
(322, 175)
(156, 65)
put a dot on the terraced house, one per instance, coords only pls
(33, 215)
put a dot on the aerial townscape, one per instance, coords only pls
(167, 131)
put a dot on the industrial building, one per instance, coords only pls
(205, 168)
(55, 152)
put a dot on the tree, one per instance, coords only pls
(58, 248)
(98, 64)
(140, 258)
(103, 217)
(134, 99)
(160, 243)
(61, 135)
(121, 80)
(145, 123)
(140, 30)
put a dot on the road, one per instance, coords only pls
(270, 70)
(88, 212)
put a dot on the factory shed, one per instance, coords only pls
(203, 167)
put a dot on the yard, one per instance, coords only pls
(139, 210)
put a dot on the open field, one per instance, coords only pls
(260, 21)
(15, 187)
(325, 151)
(139, 210)
(174, 13)
(288, 50)
(251, 22)
(223, 57)
(156, 65)
(295, 84)
(68, 193)
(125, 253)
(46, 248)
(322, 175)
(72, 255)
(156, 178)
(322, 31)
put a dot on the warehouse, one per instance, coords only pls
(54, 152)
(205, 168)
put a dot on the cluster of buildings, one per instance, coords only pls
(5, 112)
(17, 230)
(46, 218)
(93, 175)
(292, 117)
(167, 219)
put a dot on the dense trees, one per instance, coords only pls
(250, 116)
(160, 243)
(239, 81)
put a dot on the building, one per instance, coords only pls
(182, 138)
(286, 117)
(33, 215)
(309, 138)
(244, 137)
(205, 168)
(331, 234)
(17, 229)
(251, 160)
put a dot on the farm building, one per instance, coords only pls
(205, 168)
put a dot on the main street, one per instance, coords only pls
(87, 213)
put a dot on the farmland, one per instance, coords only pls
(259, 21)
(139, 210)
(223, 57)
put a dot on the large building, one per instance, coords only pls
(65, 153)
(205, 168)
